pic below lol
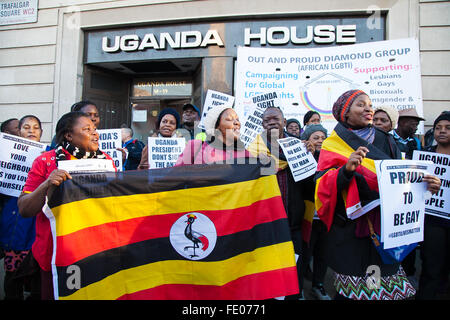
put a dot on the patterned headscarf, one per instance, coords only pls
(342, 106)
(343, 103)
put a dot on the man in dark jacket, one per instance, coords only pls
(191, 118)
(293, 193)
(408, 120)
(131, 150)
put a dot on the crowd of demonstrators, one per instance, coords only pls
(336, 242)
(435, 249)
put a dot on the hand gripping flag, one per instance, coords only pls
(193, 232)
(362, 193)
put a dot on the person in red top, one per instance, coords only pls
(77, 138)
(222, 144)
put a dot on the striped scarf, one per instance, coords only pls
(76, 152)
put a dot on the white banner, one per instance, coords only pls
(164, 152)
(86, 165)
(16, 159)
(439, 204)
(251, 125)
(212, 99)
(110, 140)
(402, 199)
(313, 79)
(301, 162)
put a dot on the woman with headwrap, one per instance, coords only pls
(222, 143)
(346, 179)
(294, 128)
(385, 118)
(166, 127)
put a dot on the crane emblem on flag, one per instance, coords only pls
(196, 237)
(193, 236)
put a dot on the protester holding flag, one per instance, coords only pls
(222, 143)
(17, 234)
(435, 250)
(315, 247)
(76, 138)
(346, 179)
(166, 125)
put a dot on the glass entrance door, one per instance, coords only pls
(144, 114)
(150, 96)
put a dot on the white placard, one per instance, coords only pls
(110, 140)
(301, 162)
(439, 204)
(164, 152)
(313, 78)
(254, 109)
(16, 159)
(402, 200)
(86, 165)
(18, 11)
(212, 99)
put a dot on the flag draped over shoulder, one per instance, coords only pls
(192, 232)
(363, 187)
(307, 220)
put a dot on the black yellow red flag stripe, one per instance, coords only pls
(336, 150)
(193, 232)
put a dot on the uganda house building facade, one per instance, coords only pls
(89, 49)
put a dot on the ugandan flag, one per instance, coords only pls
(307, 221)
(362, 192)
(192, 232)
